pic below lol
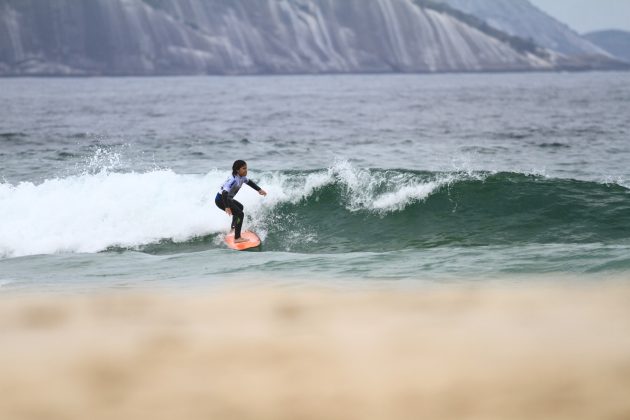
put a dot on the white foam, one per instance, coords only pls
(89, 213)
(286, 188)
(404, 196)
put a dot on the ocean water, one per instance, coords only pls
(402, 180)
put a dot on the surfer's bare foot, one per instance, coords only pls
(241, 239)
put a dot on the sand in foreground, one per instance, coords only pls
(557, 353)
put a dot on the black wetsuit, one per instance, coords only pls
(225, 199)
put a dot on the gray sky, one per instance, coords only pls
(588, 15)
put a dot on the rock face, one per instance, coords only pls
(521, 18)
(151, 37)
(615, 42)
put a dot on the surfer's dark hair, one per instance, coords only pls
(238, 164)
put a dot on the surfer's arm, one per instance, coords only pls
(253, 185)
(256, 187)
(229, 184)
(226, 202)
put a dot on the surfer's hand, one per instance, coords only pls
(228, 211)
(262, 192)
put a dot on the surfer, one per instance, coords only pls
(225, 197)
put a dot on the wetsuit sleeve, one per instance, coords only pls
(226, 199)
(225, 191)
(253, 185)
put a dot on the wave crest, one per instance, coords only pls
(337, 209)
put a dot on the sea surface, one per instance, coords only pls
(394, 180)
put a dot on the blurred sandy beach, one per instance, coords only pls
(482, 353)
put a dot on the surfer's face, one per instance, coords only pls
(242, 171)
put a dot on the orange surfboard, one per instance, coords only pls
(253, 242)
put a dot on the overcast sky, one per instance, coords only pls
(589, 15)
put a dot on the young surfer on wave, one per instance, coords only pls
(225, 197)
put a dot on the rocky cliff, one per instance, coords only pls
(150, 37)
(523, 19)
